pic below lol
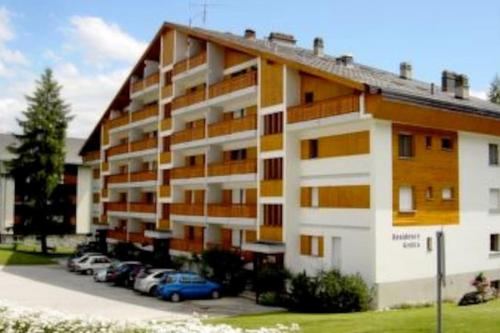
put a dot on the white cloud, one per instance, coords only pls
(8, 57)
(479, 94)
(102, 41)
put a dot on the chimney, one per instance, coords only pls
(405, 70)
(282, 39)
(462, 86)
(346, 60)
(249, 34)
(448, 81)
(318, 47)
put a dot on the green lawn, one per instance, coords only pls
(482, 318)
(10, 257)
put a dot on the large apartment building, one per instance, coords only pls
(295, 157)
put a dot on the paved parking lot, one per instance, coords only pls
(52, 287)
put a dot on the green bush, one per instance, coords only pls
(271, 278)
(226, 268)
(329, 292)
(271, 298)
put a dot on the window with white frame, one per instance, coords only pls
(494, 242)
(495, 200)
(406, 202)
(493, 154)
(315, 246)
(447, 193)
(314, 197)
(238, 196)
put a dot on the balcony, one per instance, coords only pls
(119, 121)
(166, 157)
(232, 126)
(117, 206)
(143, 144)
(105, 166)
(321, 109)
(147, 112)
(165, 191)
(186, 245)
(234, 211)
(163, 224)
(269, 233)
(189, 99)
(137, 237)
(118, 149)
(166, 91)
(186, 209)
(104, 193)
(143, 176)
(233, 84)
(92, 156)
(187, 135)
(148, 81)
(118, 178)
(195, 171)
(166, 124)
(117, 234)
(142, 207)
(190, 63)
(271, 188)
(271, 142)
(232, 168)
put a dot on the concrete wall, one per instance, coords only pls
(7, 199)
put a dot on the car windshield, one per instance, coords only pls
(169, 279)
(84, 259)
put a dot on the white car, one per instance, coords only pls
(147, 281)
(73, 260)
(92, 263)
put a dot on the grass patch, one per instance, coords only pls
(10, 257)
(482, 318)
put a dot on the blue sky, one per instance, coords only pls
(92, 44)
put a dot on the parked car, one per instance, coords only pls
(121, 275)
(92, 263)
(147, 280)
(78, 257)
(101, 275)
(181, 286)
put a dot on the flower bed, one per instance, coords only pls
(14, 319)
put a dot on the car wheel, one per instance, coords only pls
(90, 271)
(175, 297)
(152, 291)
(215, 294)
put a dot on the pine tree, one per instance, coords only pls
(38, 165)
(494, 93)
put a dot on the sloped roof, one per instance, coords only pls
(73, 146)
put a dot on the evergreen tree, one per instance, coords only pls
(494, 93)
(38, 165)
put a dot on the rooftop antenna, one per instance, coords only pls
(203, 12)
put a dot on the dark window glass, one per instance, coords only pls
(313, 148)
(428, 142)
(405, 145)
(446, 144)
(493, 154)
(308, 97)
(494, 243)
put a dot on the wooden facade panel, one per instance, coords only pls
(338, 145)
(305, 197)
(168, 47)
(350, 196)
(271, 83)
(430, 167)
(233, 57)
(320, 88)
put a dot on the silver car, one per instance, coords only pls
(147, 281)
(73, 260)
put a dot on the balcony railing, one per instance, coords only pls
(143, 176)
(117, 234)
(232, 126)
(233, 84)
(321, 109)
(186, 245)
(142, 207)
(118, 178)
(92, 156)
(166, 91)
(271, 142)
(143, 144)
(148, 81)
(117, 206)
(166, 124)
(232, 168)
(119, 121)
(166, 157)
(268, 233)
(245, 211)
(271, 188)
(187, 135)
(190, 63)
(186, 209)
(147, 112)
(189, 99)
(118, 149)
(188, 172)
(137, 237)
(164, 191)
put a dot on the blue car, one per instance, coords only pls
(179, 286)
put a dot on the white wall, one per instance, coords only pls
(84, 200)
(7, 198)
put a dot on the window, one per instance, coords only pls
(238, 196)
(313, 148)
(273, 123)
(428, 142)
(308, 97)
(493, 149)
(190, 233)
(311, 245)
(239, 114)
(273, 215)
(494, 242)
(406, 204)
(405, 145)
(273, 168)
(495, 200)
(429, 193)
(238, 154)
(447, 193)
(446, 144)
(314, 197)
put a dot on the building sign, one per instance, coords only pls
(407, 240)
